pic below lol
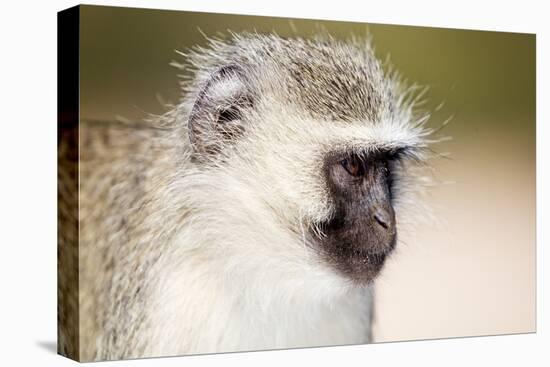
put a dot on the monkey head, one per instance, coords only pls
(312, 139)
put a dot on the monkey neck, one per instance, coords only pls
(203, 306)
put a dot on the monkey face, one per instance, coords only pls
(361, 232)
(316, 150)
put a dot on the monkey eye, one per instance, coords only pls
(354, 165)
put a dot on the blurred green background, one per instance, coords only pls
(471, 274)
(125, 54)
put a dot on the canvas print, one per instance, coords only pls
(232, 183)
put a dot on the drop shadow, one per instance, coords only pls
(48, 345)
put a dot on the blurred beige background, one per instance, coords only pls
(470, 273)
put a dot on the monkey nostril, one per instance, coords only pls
(382, 219)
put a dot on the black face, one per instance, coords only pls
(362, 231)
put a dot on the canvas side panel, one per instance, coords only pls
(67, 182)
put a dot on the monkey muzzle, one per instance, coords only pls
(362, 230)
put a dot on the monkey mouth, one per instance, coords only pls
(375, 258)
(366, 256)
(356, 253)
(358, 262)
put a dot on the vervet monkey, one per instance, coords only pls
(254, 215)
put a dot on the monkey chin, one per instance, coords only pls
(360, 263)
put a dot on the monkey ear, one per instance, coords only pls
(217, 114)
